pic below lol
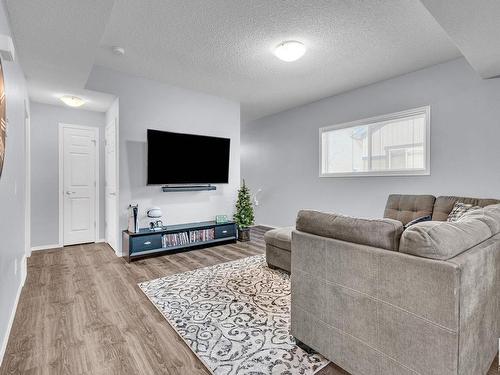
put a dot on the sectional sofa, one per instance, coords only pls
(376, 298)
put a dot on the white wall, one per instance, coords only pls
(12, 193)
(148, 104)
(45, 119)
(280, 152)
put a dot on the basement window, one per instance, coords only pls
(397, 144)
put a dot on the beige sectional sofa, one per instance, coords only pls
(377, 299)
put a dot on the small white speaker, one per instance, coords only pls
(154, 212)
(7, 51)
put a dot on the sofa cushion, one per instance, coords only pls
(280, 237)
(444, 205)
(406, 208)
(418, 220)
(381, 233)
(444, 240)
(459, 210)
(489, 215)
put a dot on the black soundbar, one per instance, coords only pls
(167, 188)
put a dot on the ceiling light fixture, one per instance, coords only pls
(118, 51)
(72, 101)
(290, 50)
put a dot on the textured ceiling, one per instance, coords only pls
(474, 26)
(225, 47)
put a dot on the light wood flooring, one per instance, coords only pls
(81, 312)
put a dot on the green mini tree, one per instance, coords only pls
(244, 216)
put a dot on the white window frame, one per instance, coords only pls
(426, 171)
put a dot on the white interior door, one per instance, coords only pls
(79, 184)
(111, 191)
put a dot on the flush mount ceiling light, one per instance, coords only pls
(290, 50)
(118, 51)
(72, 101)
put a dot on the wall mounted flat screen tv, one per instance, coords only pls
(176, 158)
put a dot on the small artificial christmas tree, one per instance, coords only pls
(244, 217)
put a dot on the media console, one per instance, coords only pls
(175, 238)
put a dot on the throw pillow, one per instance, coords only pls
(420, 219)
(459, 209)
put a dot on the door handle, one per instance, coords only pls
(70, 192)
(113, 194)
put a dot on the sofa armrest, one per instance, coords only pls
(381, 233)
(445, 240)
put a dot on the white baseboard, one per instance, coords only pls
(24, 269)
(46, 247)
(14, 308)
(57, 246)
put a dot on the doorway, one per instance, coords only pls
(78, 184)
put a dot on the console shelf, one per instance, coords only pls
(175, 238)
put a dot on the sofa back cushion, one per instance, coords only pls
(406, 208)
(381, 233)
(444, 205)
(444, 240)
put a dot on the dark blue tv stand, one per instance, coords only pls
(151, 242)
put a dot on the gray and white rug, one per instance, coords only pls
(235, 317)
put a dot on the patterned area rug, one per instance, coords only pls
(235, 317)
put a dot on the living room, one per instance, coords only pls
(265, 187)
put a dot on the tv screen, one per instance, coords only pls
(175, 158)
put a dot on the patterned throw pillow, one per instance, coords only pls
(459, 209)
(418, 220)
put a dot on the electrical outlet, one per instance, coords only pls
(15, 266)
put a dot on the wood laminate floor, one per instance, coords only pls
(81, 312)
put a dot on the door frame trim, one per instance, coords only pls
(63, 126)
(27, 208)
(115, 120)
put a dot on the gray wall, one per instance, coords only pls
(12, 191)
(45, 119)
(148, 104)
(280, 153)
